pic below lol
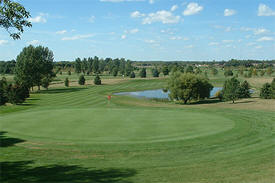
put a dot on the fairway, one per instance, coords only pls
(76, 135)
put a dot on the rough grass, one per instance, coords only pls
(76, 135)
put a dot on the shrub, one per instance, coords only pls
(143, 73)
(132, 75)
(81, 80)
(67, 82)
(155, 72)
(69, 73)
(17, 94)
(266, 91)
(97, 80)
(3, 93)
(228, 72)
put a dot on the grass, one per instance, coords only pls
(76, 135)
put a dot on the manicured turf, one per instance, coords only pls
(77, 135)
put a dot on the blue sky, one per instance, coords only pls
(149, 29)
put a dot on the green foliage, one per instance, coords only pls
(46, 82)
(132, 75)
(262, 72)
(231, 89)
(228, 72)
(13, 16)
(269, 71)
(266, 91)
(219, 95)
(189, 69)
(17, 94)
(244, 91)
(142, 73)
(78, 65)
(188, 87)
(33, 64)
(67, 82)
(69, 73)
(155, 72)
(214, 71)
(3, 91)
(97, 80)
(165, 70)
(81, 80)
(115, 72)
(273, 88)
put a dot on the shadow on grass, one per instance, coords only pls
(61, 90)
(8, 141)
(23, 172)
(207, 101)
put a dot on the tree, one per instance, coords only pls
(244, 91)
(17, 94)
(46, 82)
(143, 73)
(165, 70)
(155, 72)
(273, 88)
(214, 71)
(228, 72)
(81, 80)
(231, 89)
(67, 82)
(188, 87)
(13, 16)
(78, 65)
(33, 64)
(189, 69)
(97, 80)
(3, 92)
(269, 71)
(266, 91)
(132, 75)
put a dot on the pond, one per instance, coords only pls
(158, 94)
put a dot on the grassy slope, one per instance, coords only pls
(161, 143)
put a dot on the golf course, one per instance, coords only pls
(77, 135)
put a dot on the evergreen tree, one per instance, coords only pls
(67, 82)
(81, 80)
(266, 91)
(132, 75)
(165, 70)
(97, 80)
(155, 72)
(143, 73)
(3, 91)
(244, 91)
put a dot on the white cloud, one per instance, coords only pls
(176, 38)
(260, 31)
(61, 32)
(92, 19)
(251, 44)
(137, 14)
(150, 41)
(258, 47)
(151, 1)
(133, 31)
(228, 29)
(33, 42)
(174, 7)
(123, 37)
(264, 10)
(2, 42)
(39, 19)
(266, 39)
(229, 12)
(163, 16)
(227, 41)
(192, 9)
(77, 37)
(189, 46)
(213, 44)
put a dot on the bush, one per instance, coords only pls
(143, 73)
(17, 94)
(69, 73)
(3, 93)
(67, 82)
(155, 73)
(81, 80)
(266, 91)
(228, 72)
(97, 80)
(132, 75)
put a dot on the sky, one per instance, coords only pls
(148, 30)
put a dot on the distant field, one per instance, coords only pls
(76, 135)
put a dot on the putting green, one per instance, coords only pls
(115, 125)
